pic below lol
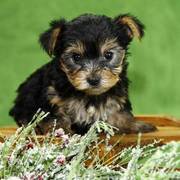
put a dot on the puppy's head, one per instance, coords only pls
(91, 49)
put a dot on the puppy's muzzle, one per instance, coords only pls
(94, 81)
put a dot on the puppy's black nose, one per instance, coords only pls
(93, 81)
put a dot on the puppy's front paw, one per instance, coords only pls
(139, 126)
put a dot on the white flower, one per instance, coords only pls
(59, 132)
(61, 159)
(65, 139)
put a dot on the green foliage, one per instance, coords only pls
(154, 64)
(22, 157)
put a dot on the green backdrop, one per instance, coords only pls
(154, 63)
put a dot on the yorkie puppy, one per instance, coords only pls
(86, 80)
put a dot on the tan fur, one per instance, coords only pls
(63, 67)
(76, 47)
(53, 40)
(53, 96)
(132, 25)
(108, 44)
(74, 109)
(79, 79)
(109, 78)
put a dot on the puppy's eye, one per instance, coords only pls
(76, 57)
(108, 55)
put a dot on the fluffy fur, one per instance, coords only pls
(86, 79)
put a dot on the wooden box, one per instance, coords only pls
(168, 130)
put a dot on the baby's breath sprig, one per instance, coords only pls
(22, 156)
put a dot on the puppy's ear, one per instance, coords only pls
(48, 39)
(131, 25)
